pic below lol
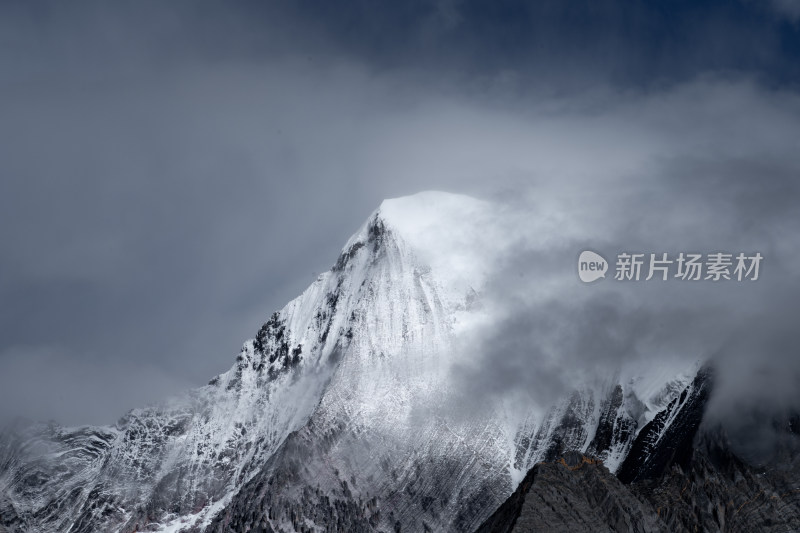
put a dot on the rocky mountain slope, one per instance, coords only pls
(715, 492)
(686, 479)
(335, 417)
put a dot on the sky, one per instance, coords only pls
(173, 172)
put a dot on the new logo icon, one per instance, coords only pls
(591, 266)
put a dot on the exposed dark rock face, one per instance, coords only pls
(667, 439)
(11, 521)
(718, 492)
(605, 434)
(575, 494)
(678, 477)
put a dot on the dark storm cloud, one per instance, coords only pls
(173, 172)
(553, 44)
(161, 197)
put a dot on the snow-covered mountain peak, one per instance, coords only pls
(345, 390)
(454, 235)
(429, 218)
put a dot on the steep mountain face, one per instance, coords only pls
(679, 476)
(335, 417)
(576, 494)
(712, 491)
(667, 439)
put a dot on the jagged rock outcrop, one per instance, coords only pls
(679, 477)
(667, 439)
(716, 492)
(575, 494)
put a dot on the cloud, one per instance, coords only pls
(787, 8)
(704, 167)
(173, 173)
(43, 383)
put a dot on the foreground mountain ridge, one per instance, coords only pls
(714, 491)
(335, 416)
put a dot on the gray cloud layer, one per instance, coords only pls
(173, 173)
(705, 167)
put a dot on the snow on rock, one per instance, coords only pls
(350, 373)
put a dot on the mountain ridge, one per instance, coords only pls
(341, 372)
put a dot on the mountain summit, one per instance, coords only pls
(335, 416)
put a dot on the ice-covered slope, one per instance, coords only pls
(336, 414)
